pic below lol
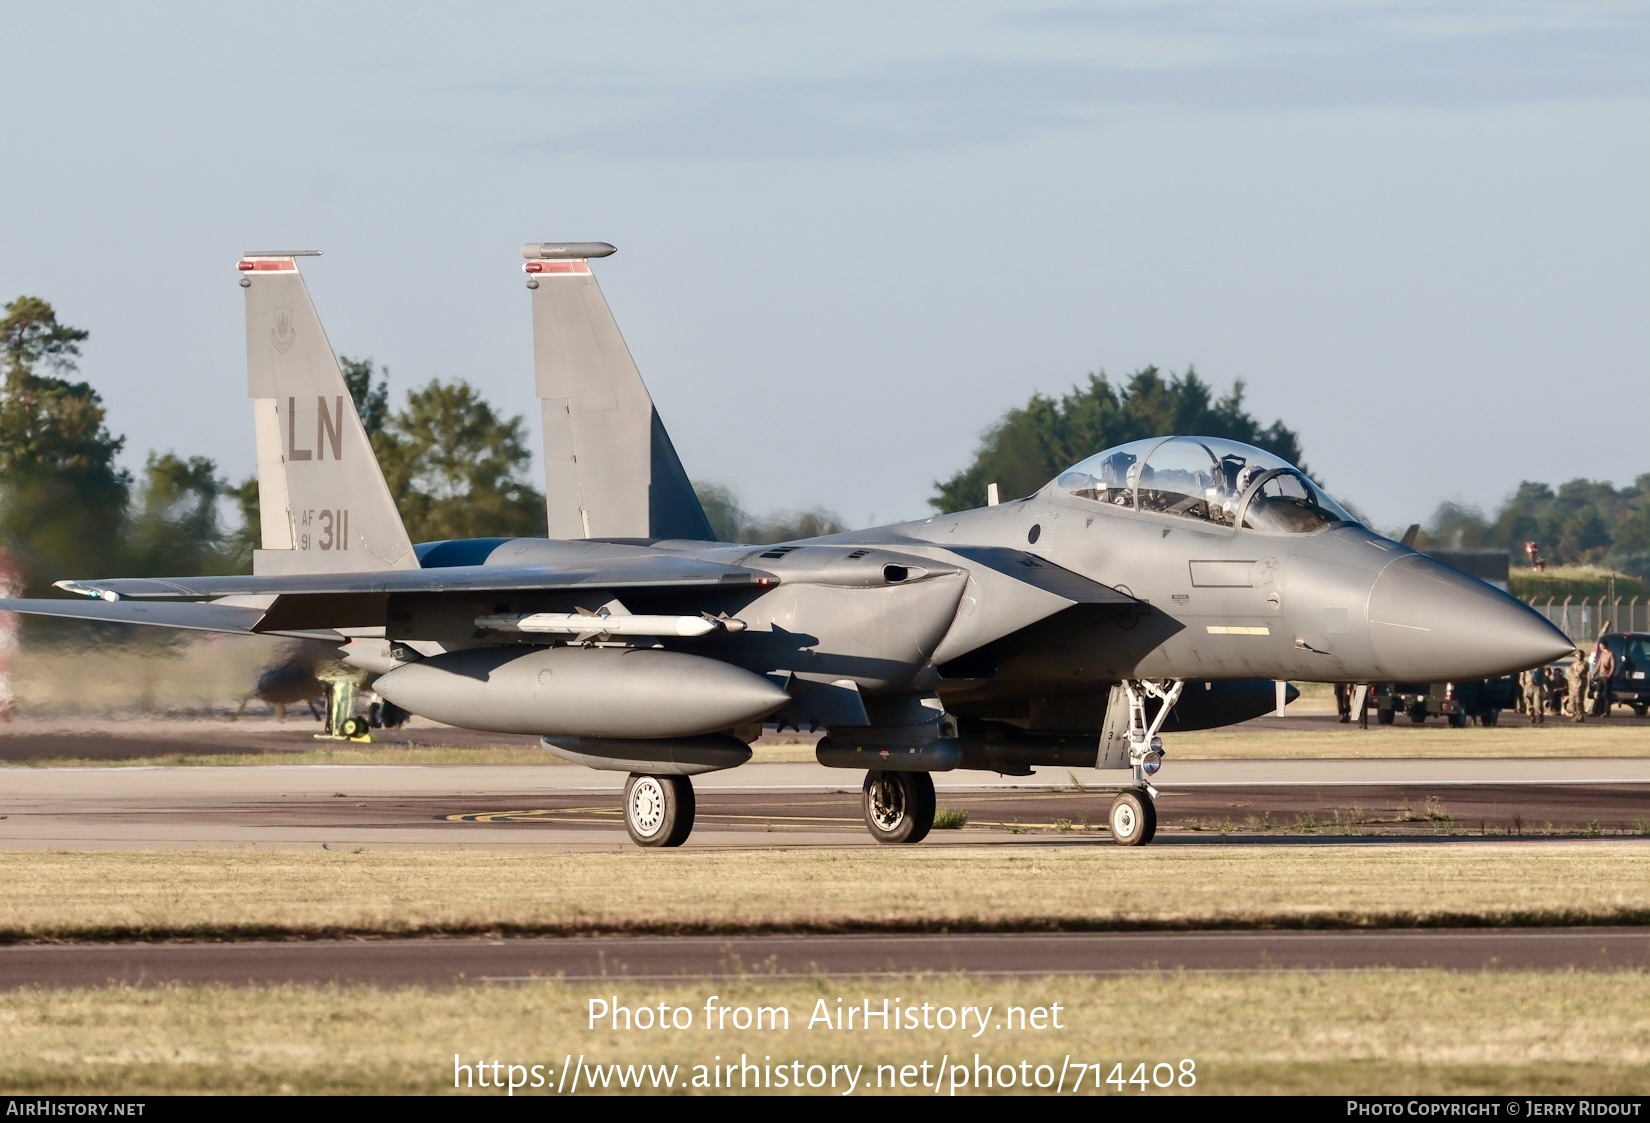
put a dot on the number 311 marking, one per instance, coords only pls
(334, 531)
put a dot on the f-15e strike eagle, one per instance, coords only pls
(1166, 584)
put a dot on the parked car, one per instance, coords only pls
(1457, 702)
(1630, 685)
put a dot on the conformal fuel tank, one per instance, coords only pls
(581, 692)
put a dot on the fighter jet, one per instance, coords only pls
(1166, 584)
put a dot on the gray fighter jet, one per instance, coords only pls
(1167, 584)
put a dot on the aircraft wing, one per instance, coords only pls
(236, 619)
(652, 570)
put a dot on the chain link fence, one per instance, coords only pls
(1586, 619)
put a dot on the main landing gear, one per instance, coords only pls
(899, 806)
(658, 810)
(1133, 817)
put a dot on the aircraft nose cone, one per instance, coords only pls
(1431, 623)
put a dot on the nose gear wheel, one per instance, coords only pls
(1133, 819)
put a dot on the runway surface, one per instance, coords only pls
(567, 808)
(445, 962)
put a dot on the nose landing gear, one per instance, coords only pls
(1133, 817)
(658, 810)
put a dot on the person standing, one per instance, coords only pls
(1575, 678)
(1604, 669)
(1534, 682)
(1343, 701)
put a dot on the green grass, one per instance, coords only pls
(1575, 581)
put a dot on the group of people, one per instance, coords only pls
(1586, 687)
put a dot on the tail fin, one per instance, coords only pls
(322, 499)
(610, 470)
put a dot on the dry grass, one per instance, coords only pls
(1620, 736)
(240, 894)
(1394, 1032)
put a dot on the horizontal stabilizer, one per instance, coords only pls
(236, 619)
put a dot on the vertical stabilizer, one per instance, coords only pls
(610, 470)
(322, 500)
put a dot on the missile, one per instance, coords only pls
(582, 624)
(601, 692)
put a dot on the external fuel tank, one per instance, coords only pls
(582, 691)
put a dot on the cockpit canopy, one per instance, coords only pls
(1208, 479)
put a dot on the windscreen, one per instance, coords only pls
(1208, 480)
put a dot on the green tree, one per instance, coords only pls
(371, 392)
(1457, 526)
(1581, 522)
(173, 527)
(455, 466)
(1033, 443)
(732, 523)
(62, 497)
(248, 533)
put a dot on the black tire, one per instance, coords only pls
(1640, 709)
(354, 727)
(387, 715)
(899, 806)
(1417, 713)
(1458, 720)
(1490, 717)
(658, 810)
(1385, 716)
(1133, 818)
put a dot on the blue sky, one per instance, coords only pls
(851, 235)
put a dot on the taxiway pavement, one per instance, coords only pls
(558, 807)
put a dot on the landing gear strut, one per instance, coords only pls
(1133, 817)
(899, 806)
(658, 810)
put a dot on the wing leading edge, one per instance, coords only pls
(648, 571)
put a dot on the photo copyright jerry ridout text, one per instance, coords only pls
(948, 1073)
(1592, 1108)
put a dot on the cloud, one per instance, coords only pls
(939, 105)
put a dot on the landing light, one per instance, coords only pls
(1151, 762)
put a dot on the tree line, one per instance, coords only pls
(1582, 522)
(1031, 444)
